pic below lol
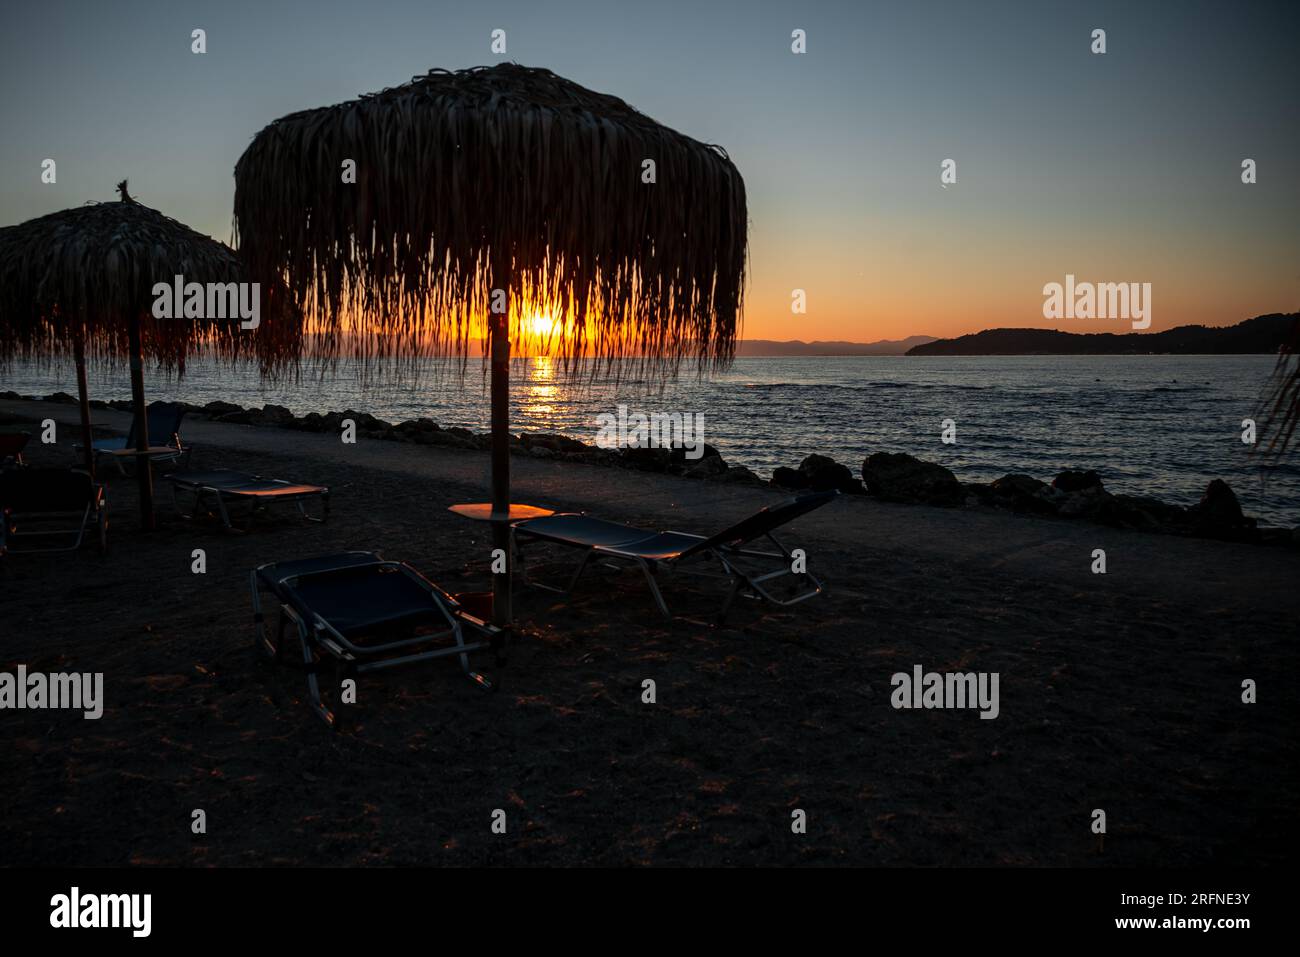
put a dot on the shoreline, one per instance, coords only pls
(1074, 495)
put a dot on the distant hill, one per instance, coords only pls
(1263, 334)
(885, 347)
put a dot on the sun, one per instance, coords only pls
(540, 326)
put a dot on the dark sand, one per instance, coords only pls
(1119, 692)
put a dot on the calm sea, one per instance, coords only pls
(1154, 425)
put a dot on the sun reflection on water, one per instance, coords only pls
(541, 392)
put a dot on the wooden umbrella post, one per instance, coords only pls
(79, 349)
(143, 469)
(499, 328)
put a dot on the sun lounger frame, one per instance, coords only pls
(96, 506)
(200, 491)
(739, 564)
(319, 640)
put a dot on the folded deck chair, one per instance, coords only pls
(750, 571)
(11, 447)
(362, 613)
(223, 487)
(164, 422)
(49, 504)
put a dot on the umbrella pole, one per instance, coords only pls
(501, 584)
(79, 351)
(143, 470)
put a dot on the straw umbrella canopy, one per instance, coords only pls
(485, 197)
(81, 282)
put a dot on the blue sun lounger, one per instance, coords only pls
(164, 423)
(750, 571)
(39, 503)
(357, 612)
(221, 488)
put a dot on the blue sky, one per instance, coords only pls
(1122, 167)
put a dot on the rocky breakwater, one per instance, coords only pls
(1074, 494)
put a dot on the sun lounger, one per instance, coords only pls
(49, 503)
(221, 488)
(750, 571)
(362, 613)
(11, 447)
(164, 422)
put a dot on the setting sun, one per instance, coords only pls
(540, 326)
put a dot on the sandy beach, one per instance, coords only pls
(1119, 691)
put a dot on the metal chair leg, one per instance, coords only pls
(654, 587)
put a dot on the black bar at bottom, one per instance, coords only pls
(227, 906)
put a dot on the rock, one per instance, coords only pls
(364, 421)
(1024, 493)
(1218, 506)
(62, 398)
(738, 473)
(899, 477)
(646, 460)
(678, 457)
(453, 438)
(711, 466)
(276, 415)
(217, 408)
(1218, 515)
(541, 452)
(1091, 502)
(241, 417)
(551, 441)
(824, 473)
(408, 430)
(598, 456)
(789, 478)
(1147, 514)
(1081, 495)
(9, 395)
(1017, 484)
(1072, 480)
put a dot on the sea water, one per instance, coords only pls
(1162, 426)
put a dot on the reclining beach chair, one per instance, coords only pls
(362, 613)
(11, 448)
(50, 503)
(750, 571)
(222, 487)
(164, 423)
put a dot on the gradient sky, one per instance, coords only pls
(1122, 167)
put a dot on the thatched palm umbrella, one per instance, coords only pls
(497, 178)
(81, 282)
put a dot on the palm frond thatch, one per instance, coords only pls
(497, 177)
(1280, 410)
(86, 273)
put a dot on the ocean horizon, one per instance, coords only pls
(1157, 425)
